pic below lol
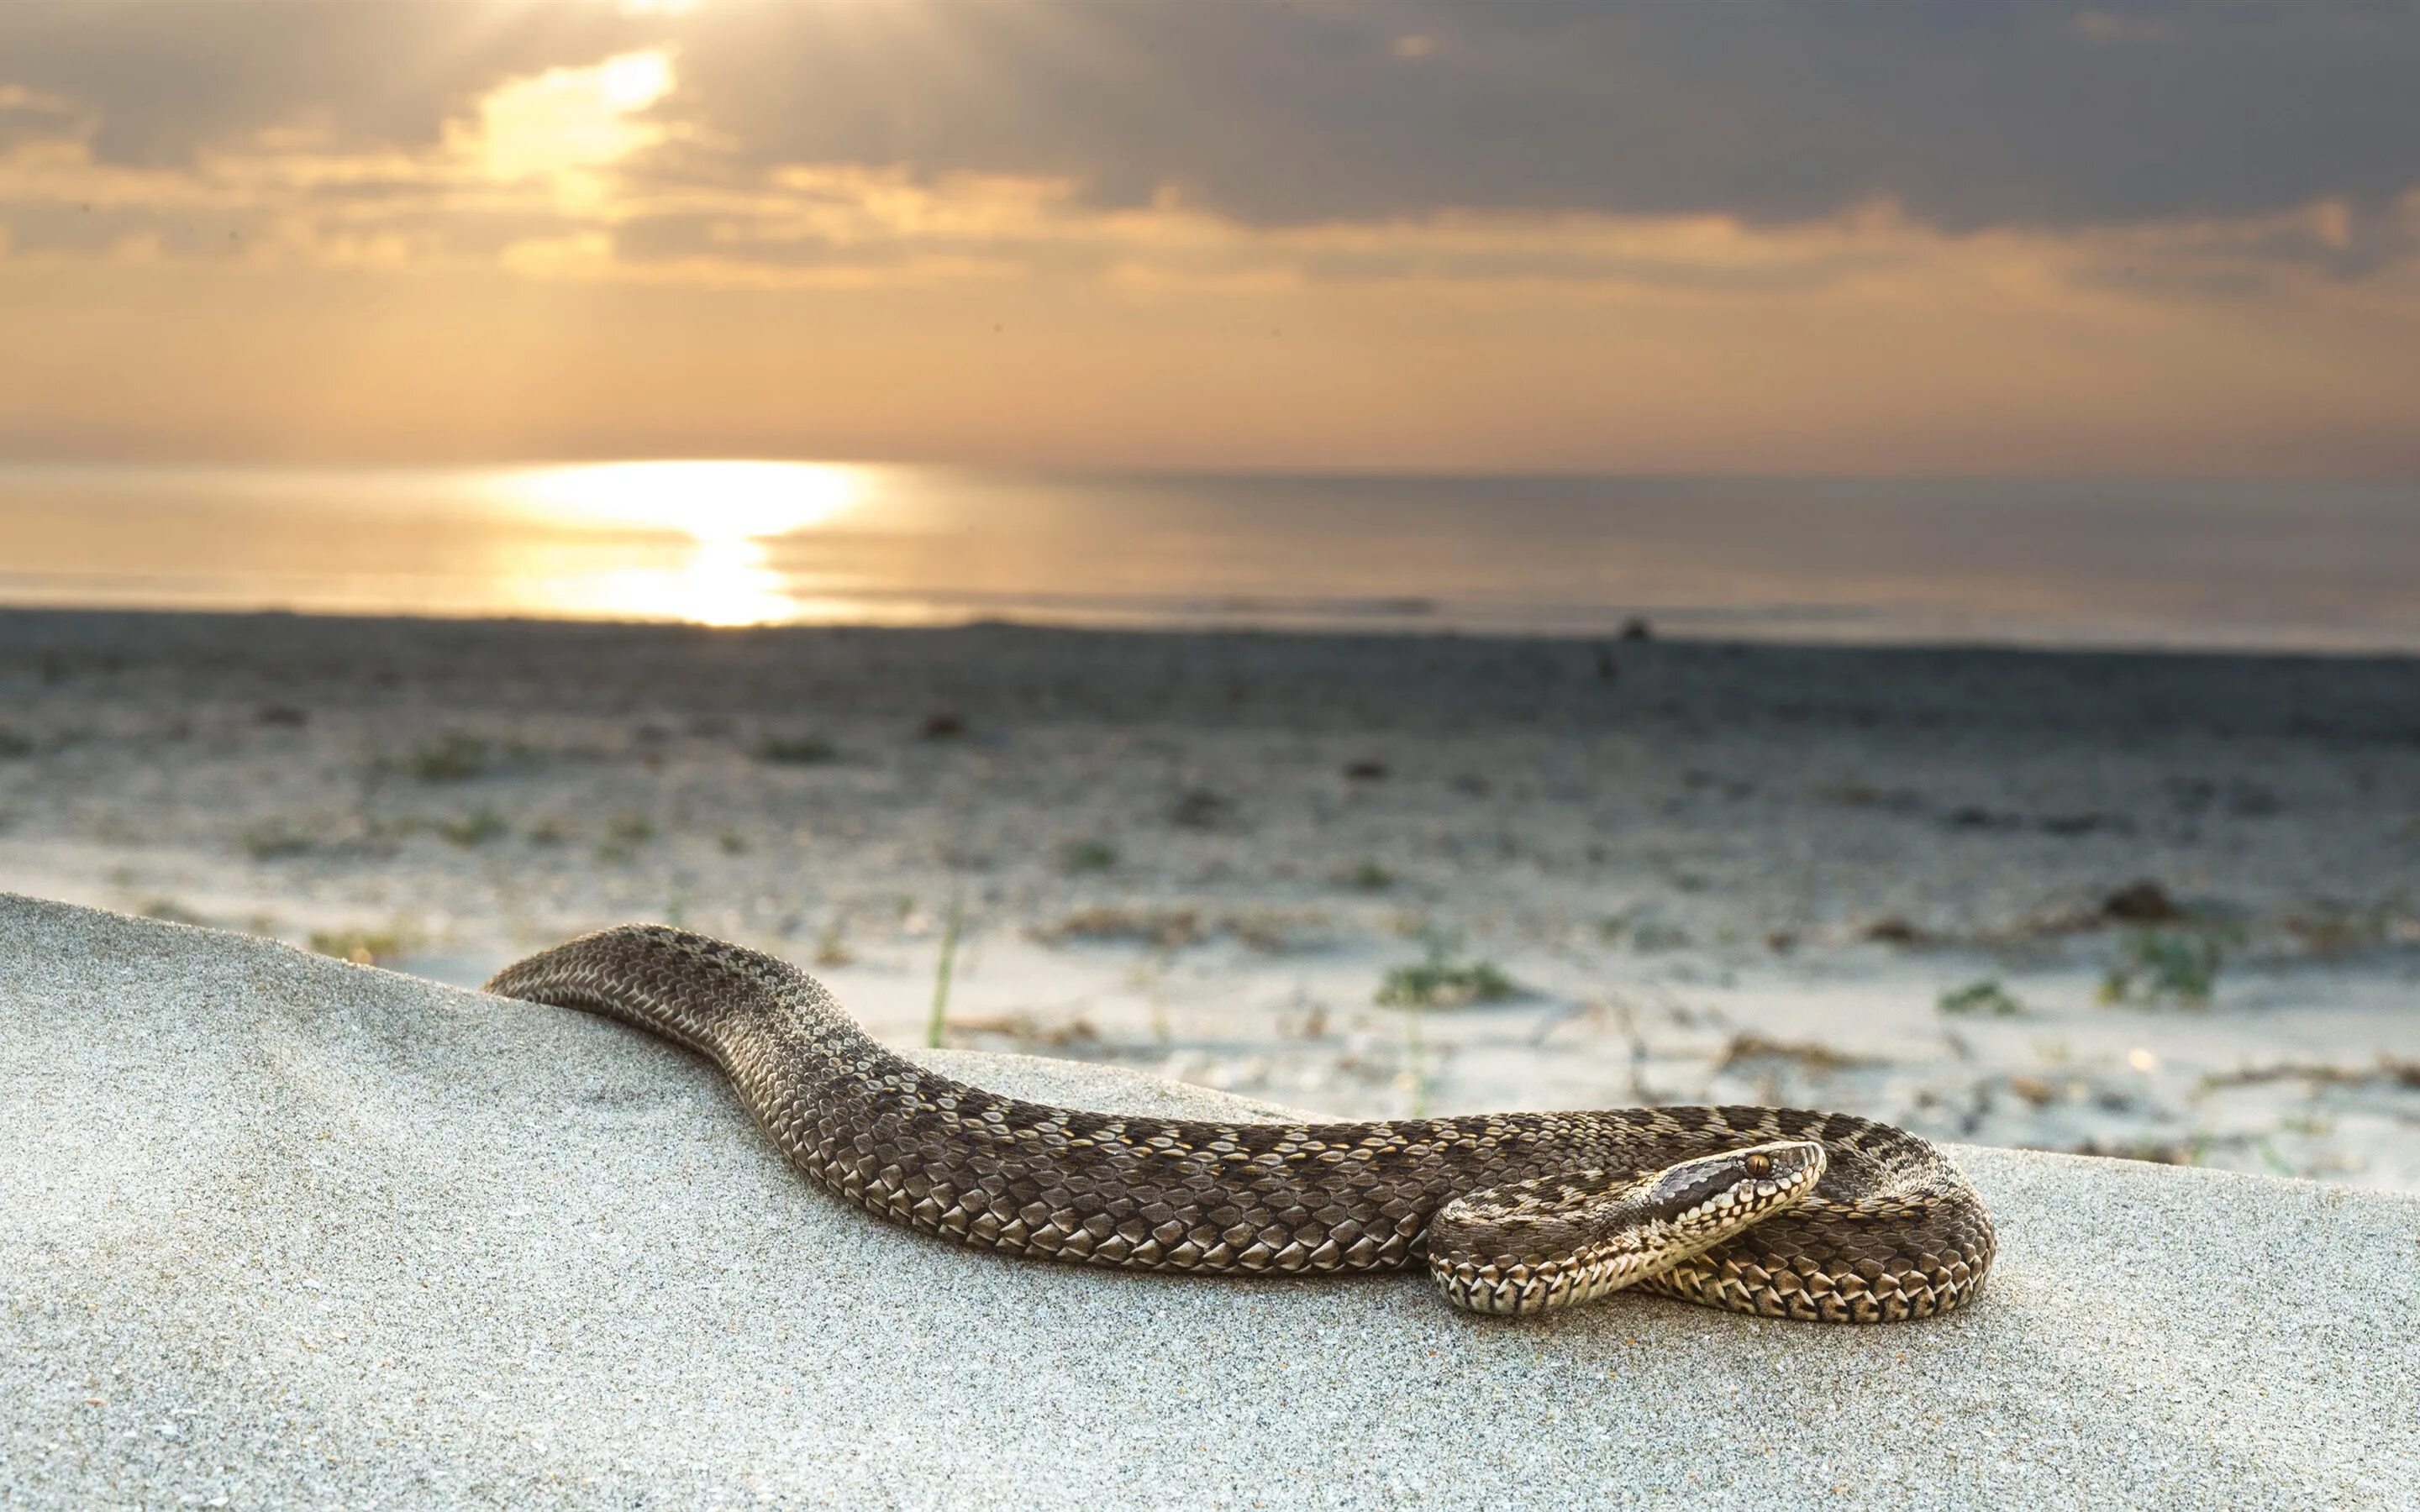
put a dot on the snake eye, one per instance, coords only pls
(1759, 1164)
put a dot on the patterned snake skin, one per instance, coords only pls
(1771, 1210)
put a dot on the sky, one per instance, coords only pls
(1885, 238)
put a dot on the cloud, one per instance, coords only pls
(1681, 148)
(1967, 116)
(1558, 232)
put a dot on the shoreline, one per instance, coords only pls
(1658, 621)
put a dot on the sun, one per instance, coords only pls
(710, 501)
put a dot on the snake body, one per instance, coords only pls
(1779, 1212)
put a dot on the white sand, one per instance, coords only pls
(276, 1231)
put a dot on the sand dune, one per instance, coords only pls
(275, 1230)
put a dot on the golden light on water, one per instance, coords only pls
(727, 509)
(715, 500)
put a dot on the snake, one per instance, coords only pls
(1782, 1212)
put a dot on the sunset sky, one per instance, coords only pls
(1860, 239)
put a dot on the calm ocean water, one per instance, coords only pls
(2304, 565)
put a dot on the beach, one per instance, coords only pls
(2154, 905)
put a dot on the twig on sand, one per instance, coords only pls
(1816, 1059)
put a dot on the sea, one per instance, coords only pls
(2322, 565)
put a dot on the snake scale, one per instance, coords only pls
(1779, 1212)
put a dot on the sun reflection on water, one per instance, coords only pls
(722, 575)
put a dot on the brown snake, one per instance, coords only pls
(1773, 1211)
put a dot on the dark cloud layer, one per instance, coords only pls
(1970, 115)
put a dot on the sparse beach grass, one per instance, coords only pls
(796, 751)
(1198, 894)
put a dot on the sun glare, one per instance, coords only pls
(568, 121)
(635, 80)
(727, 509)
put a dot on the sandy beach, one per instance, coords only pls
(2152, 905)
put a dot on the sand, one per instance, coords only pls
(1707, 873)
(278, 1230)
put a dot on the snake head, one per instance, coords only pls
(1555, 1240)
(1704, 1201)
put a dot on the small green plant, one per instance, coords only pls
(1442, 980)
(548, 832)
(624, 836)
(457, 758)
(733, 843)
(274, 839)
(362, 946)
(475, 828)
(1081, 856)
(803, 751)
(940, 1022)
(2278, 1165)
(1369, 877)
(1985, 997)
(2175, 966)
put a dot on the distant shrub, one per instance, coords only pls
(1985, 997)
(1442, 980)
(804, 750)
(454, 759)
(14, 746)
(1081, 856)
(1645, 936)
(475, 828)
(274, 839)
(1370, 877)
(2175, 966)
(624, 835)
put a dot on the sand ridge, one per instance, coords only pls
(276, 1229)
